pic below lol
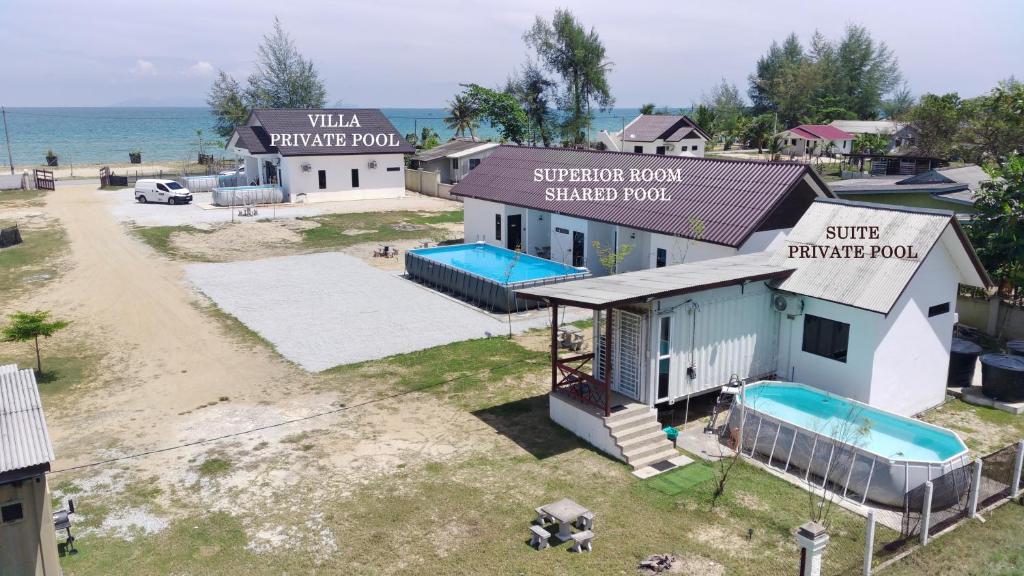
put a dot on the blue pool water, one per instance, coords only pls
(877, 431)
(498, 264)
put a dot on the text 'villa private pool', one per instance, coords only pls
(486, 275)
(857, 451)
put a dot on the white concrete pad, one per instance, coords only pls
(650, 471)
(323, 310)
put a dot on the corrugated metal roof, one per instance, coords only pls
(24, 439)
(730, 197)
(668, 127)
(254, 139)
(297, 121)
(452, 148)
(868, 126)
(868, 283)
(660, 282)
(820, 132)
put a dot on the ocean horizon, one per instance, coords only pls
(97, 135)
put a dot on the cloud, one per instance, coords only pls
(200, 68)
(143, 68)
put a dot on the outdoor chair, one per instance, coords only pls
(581, 541)
(539, 537)
(585, 521)
(543, 518)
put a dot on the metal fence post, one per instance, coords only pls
(869, 545)
(926, 512)
(1018, 463)
(972, 505)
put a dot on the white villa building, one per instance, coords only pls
(324, 154)
(902, 135)
(716, 208)
(868, 317)
(667, 134)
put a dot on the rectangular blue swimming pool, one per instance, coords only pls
(486, 275)
(498, 264)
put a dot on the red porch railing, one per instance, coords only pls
(584, 387)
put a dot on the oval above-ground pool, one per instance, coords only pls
(858, 451)
(486, 275)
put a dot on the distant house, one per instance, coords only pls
(902, 135)
(667, 134)
(714, 207)
(943, 188)
(28, 544)
(323, 154)
(876, 329)
(815, 140)
(453, 159)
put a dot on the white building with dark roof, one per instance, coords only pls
(28, 544)
(323, 154)
(667, 134)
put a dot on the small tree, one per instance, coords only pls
(997, 230)
(610, 259)
(25, 326)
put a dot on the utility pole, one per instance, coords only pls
(7, 135)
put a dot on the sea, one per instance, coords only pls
(107, 135)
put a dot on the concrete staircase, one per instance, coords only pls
(638, 434)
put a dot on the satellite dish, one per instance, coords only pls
(780, 303)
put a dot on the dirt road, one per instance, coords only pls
(166, 356)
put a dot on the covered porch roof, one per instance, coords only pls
(646, 285)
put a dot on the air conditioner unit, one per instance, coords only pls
(306, 167)
(670, 147)
(790, 305)
(372, 164)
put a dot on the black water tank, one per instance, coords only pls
(1016, 347)
(1002, 377)
(963, 355)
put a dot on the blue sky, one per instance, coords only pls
(394, 53)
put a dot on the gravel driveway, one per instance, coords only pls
(322, 310)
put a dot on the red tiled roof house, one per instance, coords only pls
(815, 140)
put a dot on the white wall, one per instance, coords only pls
(683, 250)
(851, 378)
(678, 148)
(538, 230)
(912, 359)
(766, 240)
(583, 424)
(373, 183)
(561, 244)
(479, 221)
(732, 331)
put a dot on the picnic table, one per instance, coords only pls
(565, 511)
(571, 338)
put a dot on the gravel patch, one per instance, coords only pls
(323, 310)
(123, 206)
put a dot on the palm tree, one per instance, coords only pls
(647, 109)
(463, 116)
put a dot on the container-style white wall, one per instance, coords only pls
(682, 250)
(375, 182)
(720, 332)
(479, 221)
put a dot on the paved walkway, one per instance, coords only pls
(322, 310)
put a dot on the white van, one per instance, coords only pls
(163, 191)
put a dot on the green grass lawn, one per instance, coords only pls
(29, 198)
(982, 429)
(34, 261)
(470, 515)
(992, 548)
(379, 227)
(159, 237)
